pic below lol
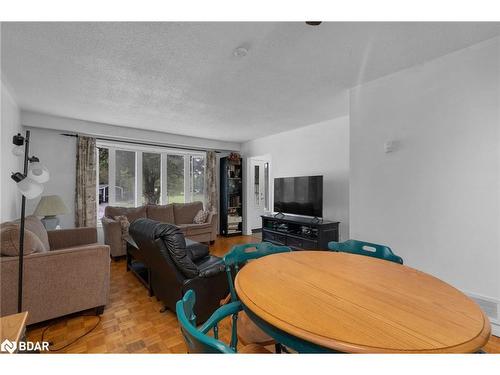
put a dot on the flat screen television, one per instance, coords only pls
(299, 195)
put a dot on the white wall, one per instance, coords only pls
(11, 198)
(318, 149)
(436, 199)
(58, 154)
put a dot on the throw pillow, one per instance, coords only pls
(35, 225)
(9, 246)
(200, 217)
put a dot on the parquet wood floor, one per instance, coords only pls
(132, 322)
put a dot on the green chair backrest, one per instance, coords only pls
(365, 248)
(197, 339)
(240, 254)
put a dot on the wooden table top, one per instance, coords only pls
(12, 326)
(360, 304)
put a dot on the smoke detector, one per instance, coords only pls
(240, 52)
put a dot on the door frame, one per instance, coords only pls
(248, 190)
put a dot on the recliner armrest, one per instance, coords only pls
(210, 266)
(196, 250)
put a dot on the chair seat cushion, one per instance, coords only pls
(250, 333)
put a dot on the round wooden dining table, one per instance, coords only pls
(321, 301)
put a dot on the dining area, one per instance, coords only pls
(356, 297)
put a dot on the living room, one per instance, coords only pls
(353, 168)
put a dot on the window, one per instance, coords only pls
(256, 180)
(197, 172)
(175, 179)
(125, 178)
(266, 186)
(103, 180)
(131, 176)
(151, 178)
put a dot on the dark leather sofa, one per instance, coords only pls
(176, 268)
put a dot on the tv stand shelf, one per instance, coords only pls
(300, 233)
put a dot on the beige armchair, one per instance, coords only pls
(73, 276)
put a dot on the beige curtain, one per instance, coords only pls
(85, 197)
(211, 178)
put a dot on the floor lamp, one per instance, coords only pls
(29, 183)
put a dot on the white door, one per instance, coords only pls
(259, 191)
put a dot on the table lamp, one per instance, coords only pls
(50, 206)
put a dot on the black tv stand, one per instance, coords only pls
(316, 220)
(300, 233)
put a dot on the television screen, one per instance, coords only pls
(299, 195)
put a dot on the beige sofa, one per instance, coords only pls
(69, 276)
(180, 214)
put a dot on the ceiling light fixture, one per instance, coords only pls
(240, 52)
(313, 23)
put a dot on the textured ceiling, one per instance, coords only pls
(183, 78)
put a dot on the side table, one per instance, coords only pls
(136, 263)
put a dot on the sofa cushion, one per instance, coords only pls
(185, 212)
(9, 246)
(131, 213)
(35, 225)
(162, 213)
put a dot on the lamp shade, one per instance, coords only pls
(38, 172)
(18, 150)
(51, 205)
(28, 187)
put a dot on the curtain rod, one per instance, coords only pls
(149, 144)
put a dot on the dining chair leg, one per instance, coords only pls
(277, 348)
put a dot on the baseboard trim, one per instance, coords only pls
(493, 313)
(495, 329)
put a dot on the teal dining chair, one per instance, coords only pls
(365, 248)
(243, 328)
(197, 338)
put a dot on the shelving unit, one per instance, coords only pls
(231, 197)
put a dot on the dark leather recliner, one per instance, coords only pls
(175, 269)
